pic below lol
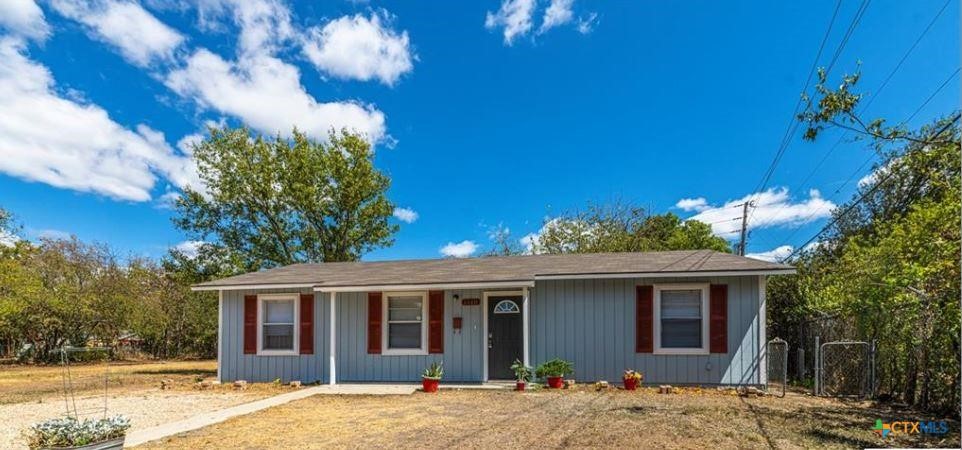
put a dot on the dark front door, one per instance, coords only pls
(504, 335)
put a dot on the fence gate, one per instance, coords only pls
(844, 369)
(777, 366)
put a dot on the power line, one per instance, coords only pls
(794, 122)
(862, 197)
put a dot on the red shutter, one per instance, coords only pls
(374, 314)
(436, 322)
(250, 324)
(644, 319)
(718, 318)
(307, 324)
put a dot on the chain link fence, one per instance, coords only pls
(845, 369)
(777, 367)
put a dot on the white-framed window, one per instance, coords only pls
(405, 323)
(277, 330)
(506, 307)
(681, 319)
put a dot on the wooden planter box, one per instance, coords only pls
(113, 444)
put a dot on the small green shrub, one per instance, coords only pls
(554, 368)
(521, 371)
(434, 372)
(70, 432)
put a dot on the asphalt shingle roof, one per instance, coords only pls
(498, 269)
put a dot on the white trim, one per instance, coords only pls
(220, 333)
(241, 287)
(683, 274)
(658, 350)
(484, 321)
(525, 326)
(425, 287)
(293, 298)
(762, 331)
(386, 350)
(332, 343)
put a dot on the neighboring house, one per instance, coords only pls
(680, 317)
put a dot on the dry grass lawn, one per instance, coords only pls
(32, 383)
(571, 418)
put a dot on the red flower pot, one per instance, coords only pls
(519, 386)
(631, 384)
(430, 384)
(555, 382)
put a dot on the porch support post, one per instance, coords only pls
(220, 334)
(332, 342)
(525, 327)
(763, 331)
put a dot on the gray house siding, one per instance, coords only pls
(462, 350)
(235, 365)
(591, 322)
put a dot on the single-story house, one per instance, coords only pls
(680, 317)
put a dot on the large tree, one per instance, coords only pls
(277, 201)
(620, 227)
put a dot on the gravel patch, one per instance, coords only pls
(146, 408)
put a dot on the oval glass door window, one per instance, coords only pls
(506, 307)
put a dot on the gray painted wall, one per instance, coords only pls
(590, 322)
(235, 365)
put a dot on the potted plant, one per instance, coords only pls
(632, 379)
(69, 433)
(431, 377)
(522, 374)
(554, 371)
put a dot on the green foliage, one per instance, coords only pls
(71, 432)
(272, 202)
(890, 268)
(434, 372)
(623, 228)
(521, 371)
(556, 367)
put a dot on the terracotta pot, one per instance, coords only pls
(631, 384)
(519, 386)
(555, 382)
(430, 384)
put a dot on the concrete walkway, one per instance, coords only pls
(203, 420)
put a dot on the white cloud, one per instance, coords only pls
(462, 249)
(361, 48)
(266, 93)
(587, 23)
(773, 207)
(54, 234)
(692, 204)
(8, 239)
(190, 249)
(259, 88)
(529, 241)
(557, 14)
(140, 37)
(514, 16)
(88, 151)
(774, 255)
(406, 215)
(23, 18)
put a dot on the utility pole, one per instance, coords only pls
(741, 243)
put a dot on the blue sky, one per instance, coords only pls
(484, 114)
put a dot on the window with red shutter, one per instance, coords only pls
(374, 317)
(250, 324)
(644, 319)
(436, 322)
(718, 318)
(307, 324)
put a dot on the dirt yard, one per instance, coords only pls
(29, 394)
(570, 418)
